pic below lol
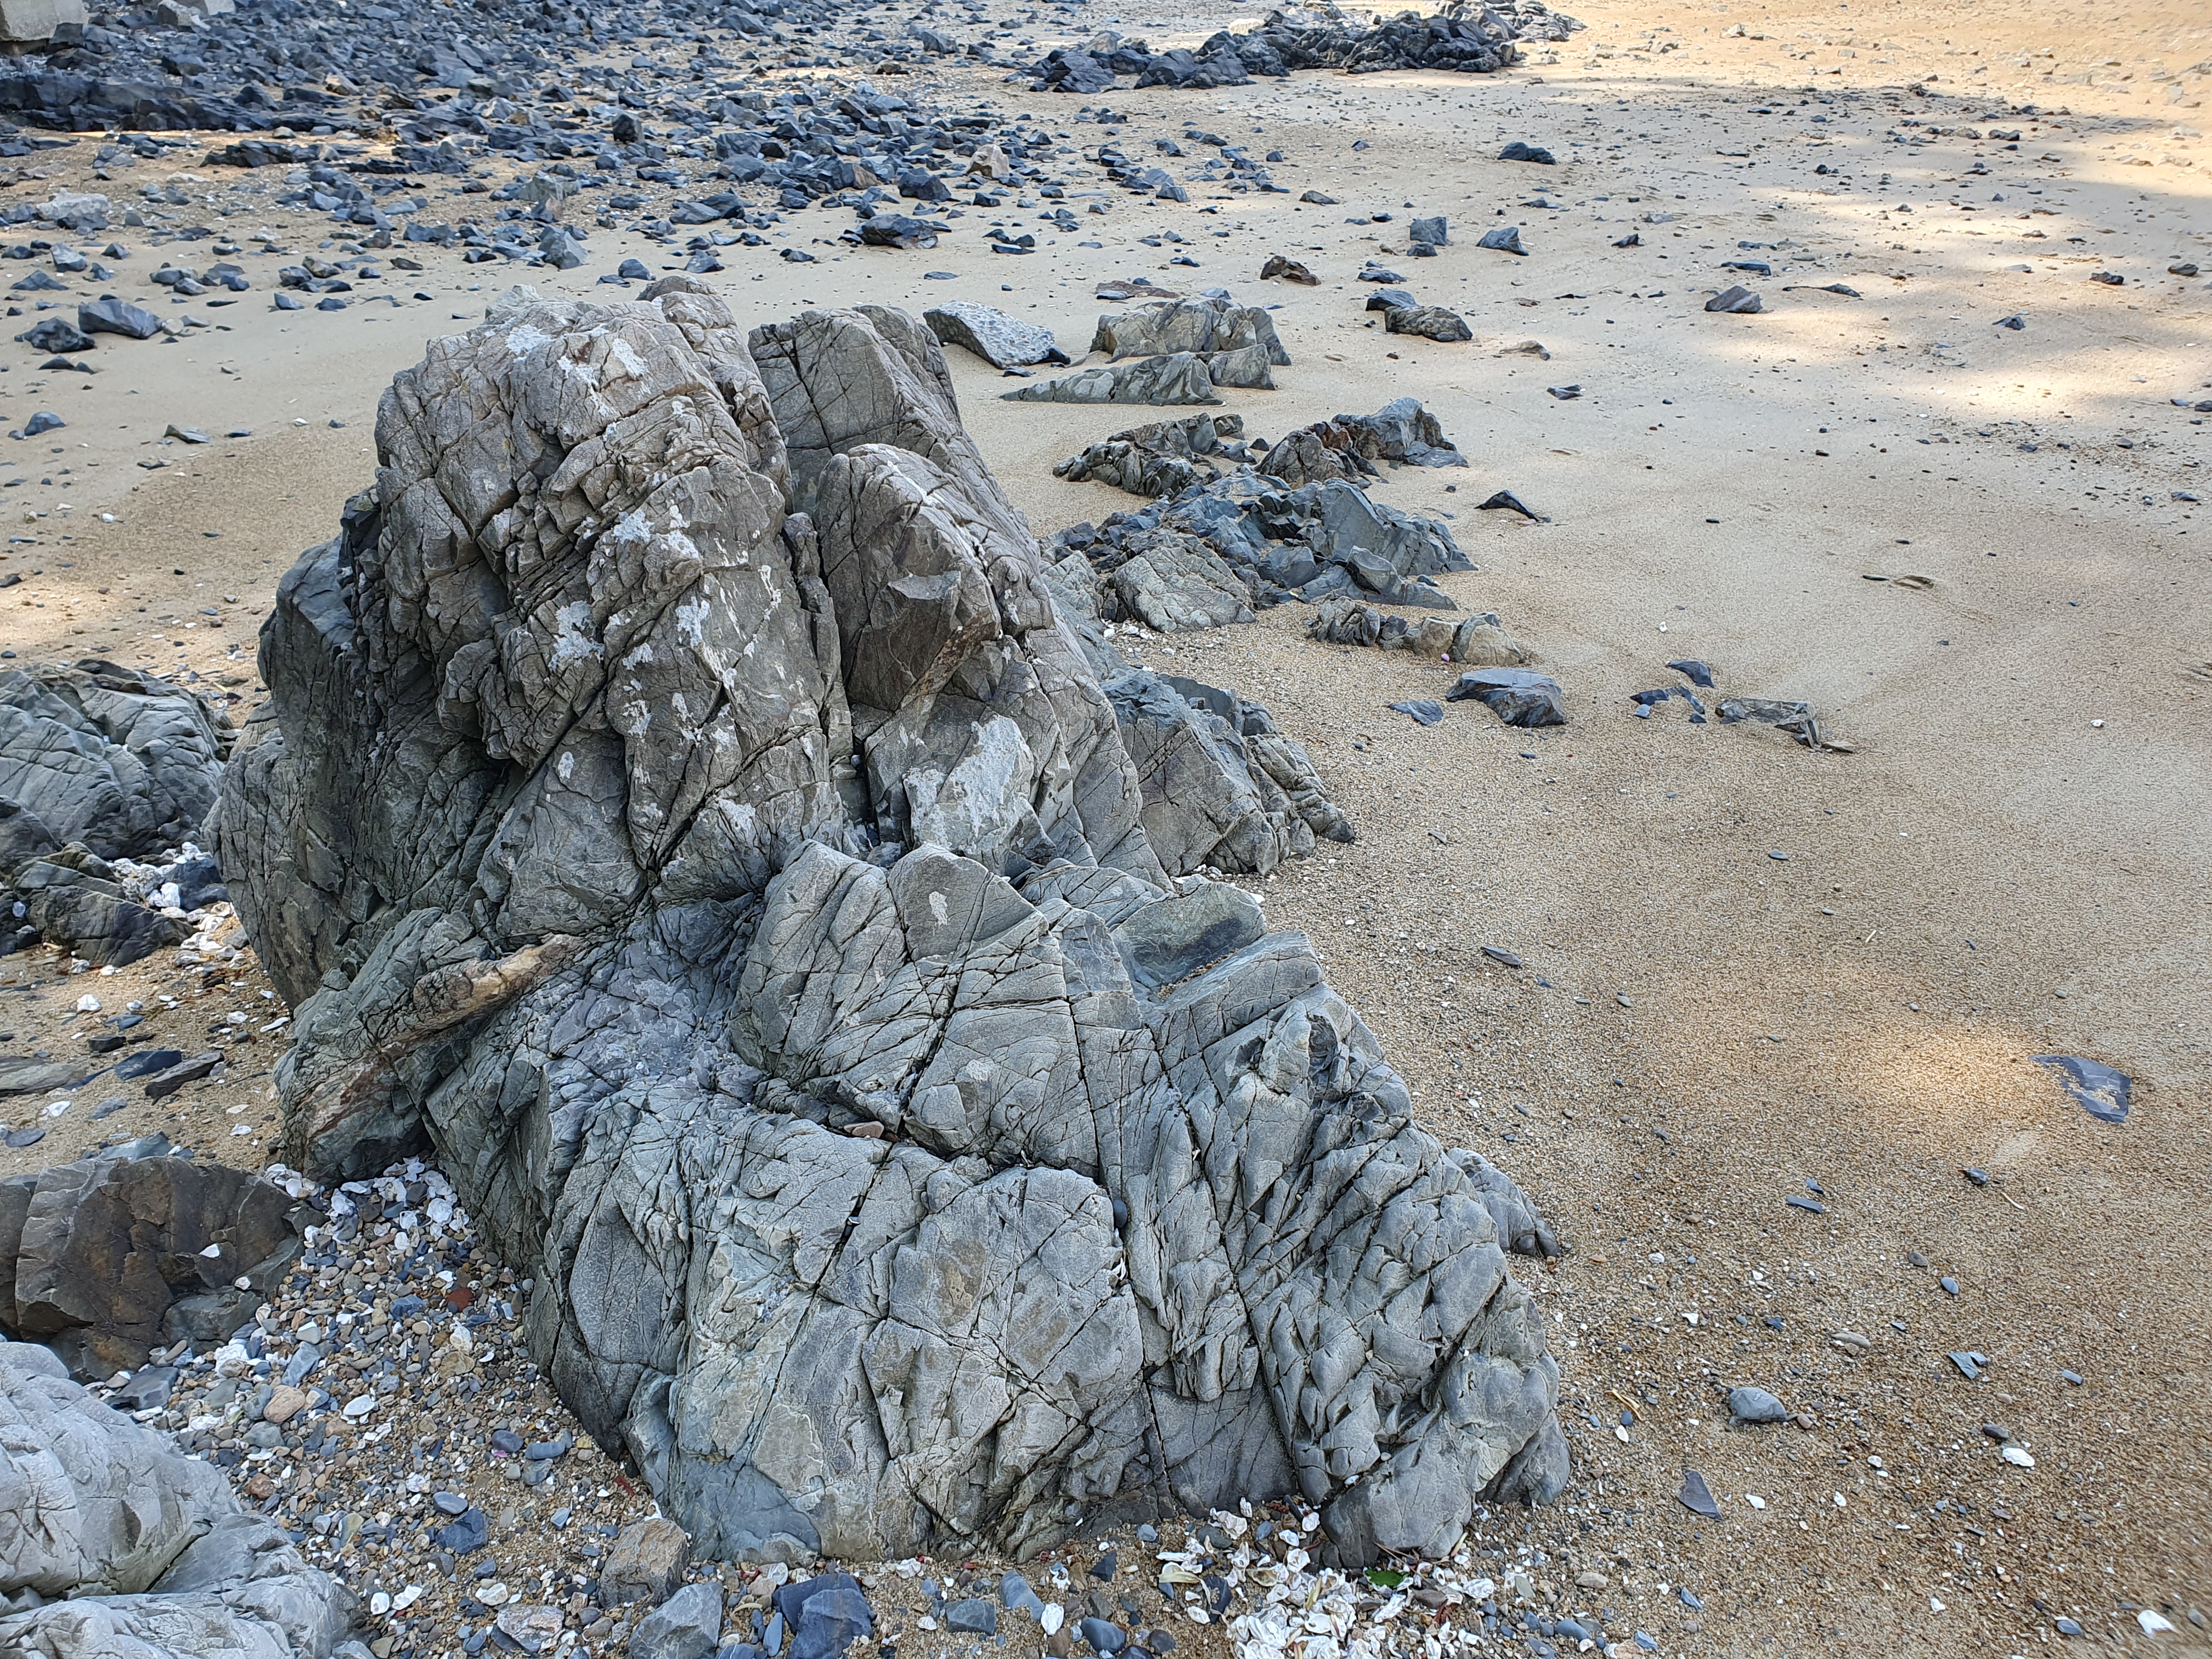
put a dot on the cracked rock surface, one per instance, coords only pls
(149, 1548)
(685, 803)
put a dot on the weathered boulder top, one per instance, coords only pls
(682, 802)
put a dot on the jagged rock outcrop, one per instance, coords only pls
(149, 1548)
(684, 803)
(1163, 459)
(98, 764)
(105, 1259)
(1401, 433)
(1313, 542)
(1237, 344)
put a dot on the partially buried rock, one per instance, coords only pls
(1519, 696)
(1429, 322)
(1401, 433)
(1697, 1497)
(1476, 642)
(898, 230)
(1289, 271)
(1739, 300)
(1750, 1405)
(1180, 379)
(998, 339)
(54, 334)
(1519, 151)
(109, 315)
(1506, 239)
(1430, 231)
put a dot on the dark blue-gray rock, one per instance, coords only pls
(897, 230)
(830, 1615)
(1016, 1595)
(1697, 1497)
(1519, 696)
(1429, 230)
(125, 763)
(110, 315)
(1506, 239)
(1751, 1405)
(972, 1617)
(1739, 300)
(1519, 151)
(468, 1531)
(1427, 323)
(2099, 1090)
(633, 270)
(615, 894)
(1420, 711)
(1103, 1636)
(55, 334)
(687, 1626)
(115, 1542)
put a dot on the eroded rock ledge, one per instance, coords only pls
(683, 802)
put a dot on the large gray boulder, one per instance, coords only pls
(797, 1016)
(149, 1548)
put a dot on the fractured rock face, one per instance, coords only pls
(148, 1546)
(109, 756)
(1237, 344)
(1479, 641)
(686, 803)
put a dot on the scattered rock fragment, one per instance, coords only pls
(1506, 239)
(1289, 271)
(1237, 344)
(1427, 323)
(2099, 1090)
(1519, 696)
(1737, 300)
(1520, 151)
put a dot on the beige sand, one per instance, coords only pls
(1991, 875)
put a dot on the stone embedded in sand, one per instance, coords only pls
(1428, 322)
(1478, 641)
(1519, 696)
(1506, 239)
(1520, 151)
(1401, 432)
(1291, 270)
(1180, 379)
(583, 860)
(1308, 542)
(1739, 299)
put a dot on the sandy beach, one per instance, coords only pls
(1751, 972)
